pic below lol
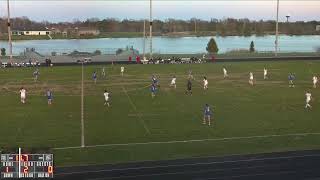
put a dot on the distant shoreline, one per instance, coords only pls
(4, 37)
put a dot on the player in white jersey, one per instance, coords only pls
(106, 95)
(251, 79)
(265, 73)
(308, 99)
(23, 95)
(36, 74)
(173, 82)
(190, 75)
(122, 70)
(315, 81)
(205, 83)
(103, 72)
(225, 72)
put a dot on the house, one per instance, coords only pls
(318, 28)
(74, 31)
(82, 31)
(34, 32)
(55, 30)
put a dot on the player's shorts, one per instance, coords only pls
(308, 100)
(23, 97)
(49, 98)
(173, 83)
(106, 99)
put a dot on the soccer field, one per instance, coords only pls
(265, 118)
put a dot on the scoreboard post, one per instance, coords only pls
(24, 165)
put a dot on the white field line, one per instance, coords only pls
(135, 108)
(191, 141)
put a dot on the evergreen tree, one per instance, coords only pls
(252, 49)
(3, 51)
(212, 46)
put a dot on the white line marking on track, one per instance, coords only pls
(191, 141)
(190, 164)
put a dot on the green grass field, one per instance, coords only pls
(268, 117)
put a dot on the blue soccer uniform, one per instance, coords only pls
(49, 96)
(153, 90)
(207, 115)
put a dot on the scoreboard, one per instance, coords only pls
(26, 166)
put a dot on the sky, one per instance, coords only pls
(59, 10)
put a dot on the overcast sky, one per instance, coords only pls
(57, 11)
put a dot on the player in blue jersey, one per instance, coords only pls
(94, 77)
(207, 115)
(153, 90)
(155, 81)
(291, 79)
(49, 96)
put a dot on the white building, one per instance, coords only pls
(318, 28)
(31, 32)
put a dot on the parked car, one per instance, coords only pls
(85, 60)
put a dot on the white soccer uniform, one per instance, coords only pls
(106, 96)
(251, 76)
(205, 83)
(122, 69)
(225, 73)
(103, 72)
(173, 81)
(315, 80)
(308, 97)
(265, 73)
(23, 93)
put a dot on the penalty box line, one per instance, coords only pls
(135, 108)
(190, 141)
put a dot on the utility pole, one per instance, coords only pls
(9, 32)
(150, 29)
(277, 31)
(144, 39)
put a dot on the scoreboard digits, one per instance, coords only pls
(26, 166)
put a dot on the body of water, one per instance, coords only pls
(169, 45)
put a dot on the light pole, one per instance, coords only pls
(144, 39)
(9, 32)
(150, 29)
(82, 105)
(277, 31)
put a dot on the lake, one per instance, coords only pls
(170, 45)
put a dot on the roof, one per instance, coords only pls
(35, 29)
(87, 29)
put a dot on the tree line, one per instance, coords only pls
(224, 27)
